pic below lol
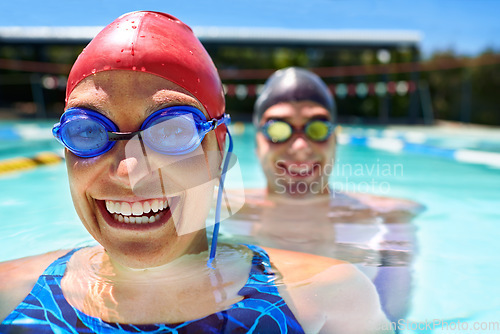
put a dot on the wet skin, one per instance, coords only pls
(128, 99)
(298, 167)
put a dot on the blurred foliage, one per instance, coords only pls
(468, 93)
(350, 108)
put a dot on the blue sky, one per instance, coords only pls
(465, 26)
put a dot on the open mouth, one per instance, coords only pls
(298, 169)
(145, 214)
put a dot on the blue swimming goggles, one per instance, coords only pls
(174, 130)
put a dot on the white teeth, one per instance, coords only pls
(126, 209)
(154, 205)
(110, 206)
(134, 213)
(137, 220)
(146, 207)
(137, 209)
(301, 169)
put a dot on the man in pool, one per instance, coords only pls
(299, 210)
(144, 129)
(296, 143)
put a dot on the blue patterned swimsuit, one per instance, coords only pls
(262, 310)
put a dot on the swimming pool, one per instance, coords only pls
(456, 271)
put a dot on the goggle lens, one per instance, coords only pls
(172, 135)
(318, 130)
(84, 135)
(279, 131)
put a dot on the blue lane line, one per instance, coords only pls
(480, 157)
(429, 150)
(9, 134)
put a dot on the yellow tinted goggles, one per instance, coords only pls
(279, 131)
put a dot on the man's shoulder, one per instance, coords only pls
(392, 208)
(297, 266)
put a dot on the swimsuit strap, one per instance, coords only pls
(261, 293)
(58, 267)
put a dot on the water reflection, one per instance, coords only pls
(378, 240)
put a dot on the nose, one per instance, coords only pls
(299, 146)
(129, 165)
(126, 166)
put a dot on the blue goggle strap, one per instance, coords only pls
(205, 127)
(215, 234)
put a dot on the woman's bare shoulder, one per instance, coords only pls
(17, 278)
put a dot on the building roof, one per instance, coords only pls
(230, 35)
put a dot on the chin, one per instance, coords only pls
(137, 255)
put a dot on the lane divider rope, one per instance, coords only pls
(24, 163)
(399, 145)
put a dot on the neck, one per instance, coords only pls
(293, 195)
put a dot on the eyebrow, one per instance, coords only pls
(321, 117)
(277, 118)
(91, 106)
(287, 119)
(170, 102)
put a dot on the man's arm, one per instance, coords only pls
(327, 295)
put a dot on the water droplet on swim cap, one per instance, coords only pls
(162, 51)
(293, 84)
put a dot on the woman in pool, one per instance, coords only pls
(144, 129)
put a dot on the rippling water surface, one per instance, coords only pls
(452, 259)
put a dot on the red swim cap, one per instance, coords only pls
(159, 44)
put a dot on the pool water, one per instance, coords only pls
(456, 272)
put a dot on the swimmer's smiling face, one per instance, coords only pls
(298, 167)
(145, 211)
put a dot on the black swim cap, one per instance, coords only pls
(290, 85)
